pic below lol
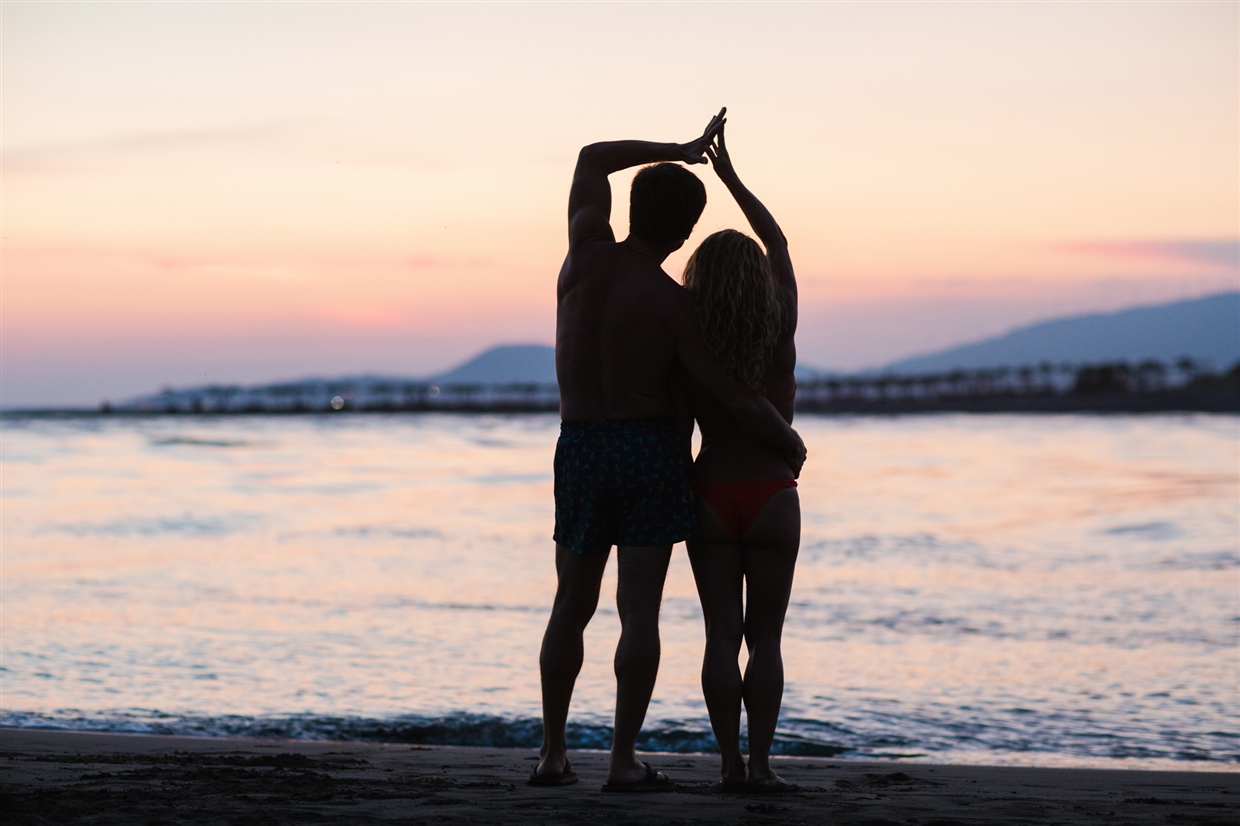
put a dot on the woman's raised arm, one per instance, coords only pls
(759, 217)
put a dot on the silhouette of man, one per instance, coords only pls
(621, 474)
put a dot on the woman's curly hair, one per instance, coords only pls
(733, 289)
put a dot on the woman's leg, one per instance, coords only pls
(717, 569)
(770, 555)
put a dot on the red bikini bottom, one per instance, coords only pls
(737, 504)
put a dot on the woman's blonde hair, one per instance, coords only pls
(737, 303)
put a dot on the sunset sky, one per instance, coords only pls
(241, 192)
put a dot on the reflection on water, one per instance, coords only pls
(1040, 590)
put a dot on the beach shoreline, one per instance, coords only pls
(57, 776)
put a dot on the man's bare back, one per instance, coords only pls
(616, 340)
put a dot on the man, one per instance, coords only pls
(620, 470)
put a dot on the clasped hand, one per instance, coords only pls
(697, 151)
(711, 146)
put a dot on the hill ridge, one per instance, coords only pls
(1206, 329)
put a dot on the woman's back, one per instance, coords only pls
(728, 453)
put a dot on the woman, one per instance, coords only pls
(746, 494)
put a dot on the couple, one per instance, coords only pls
(638, 359)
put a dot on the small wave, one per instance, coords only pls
(190, 440)
(387, 532)
(464, 606)
(1153, 531)
(186, 525)
(1204, 561)
(451, 730)
(500, 479)
(1014, 735)
(920, 548)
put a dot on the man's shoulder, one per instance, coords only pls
(586, 263)
(593, 257)
(596, 246)
(668, 289)
(649, 279)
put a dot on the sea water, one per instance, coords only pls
(1039, 590)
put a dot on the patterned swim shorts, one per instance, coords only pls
(621, 482)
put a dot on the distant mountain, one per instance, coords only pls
(1205, 329)
(530, 363)
(525, 363)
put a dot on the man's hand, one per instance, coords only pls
(695, 151)
(719, 157)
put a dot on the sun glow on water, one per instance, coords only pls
(1037, 590)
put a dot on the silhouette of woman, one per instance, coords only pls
(746, 496)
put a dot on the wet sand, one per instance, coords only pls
(58, 777)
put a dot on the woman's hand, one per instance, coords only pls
(719, 157)
(696, 151)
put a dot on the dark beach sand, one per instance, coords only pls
(54, 777)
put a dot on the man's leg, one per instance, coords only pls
(579, 577)
(641, 572)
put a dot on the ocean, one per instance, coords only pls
(1025, 590)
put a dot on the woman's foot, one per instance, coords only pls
(733, 773)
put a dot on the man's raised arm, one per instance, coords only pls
(589, 199)
(750, 409)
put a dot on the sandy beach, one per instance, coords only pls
(70, 777)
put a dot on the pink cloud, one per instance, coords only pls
(1211, 252)
(219, 268)
(361, 316)
(433, 262)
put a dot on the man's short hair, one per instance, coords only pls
(665, 202)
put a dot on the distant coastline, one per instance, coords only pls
(1148, 387)
(1144, 359)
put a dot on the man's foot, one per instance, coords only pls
(731, 785)
(773, 784)
(648, 781)
(567, 777)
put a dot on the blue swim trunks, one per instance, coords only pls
(621, 482)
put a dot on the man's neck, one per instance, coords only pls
(656, 254)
